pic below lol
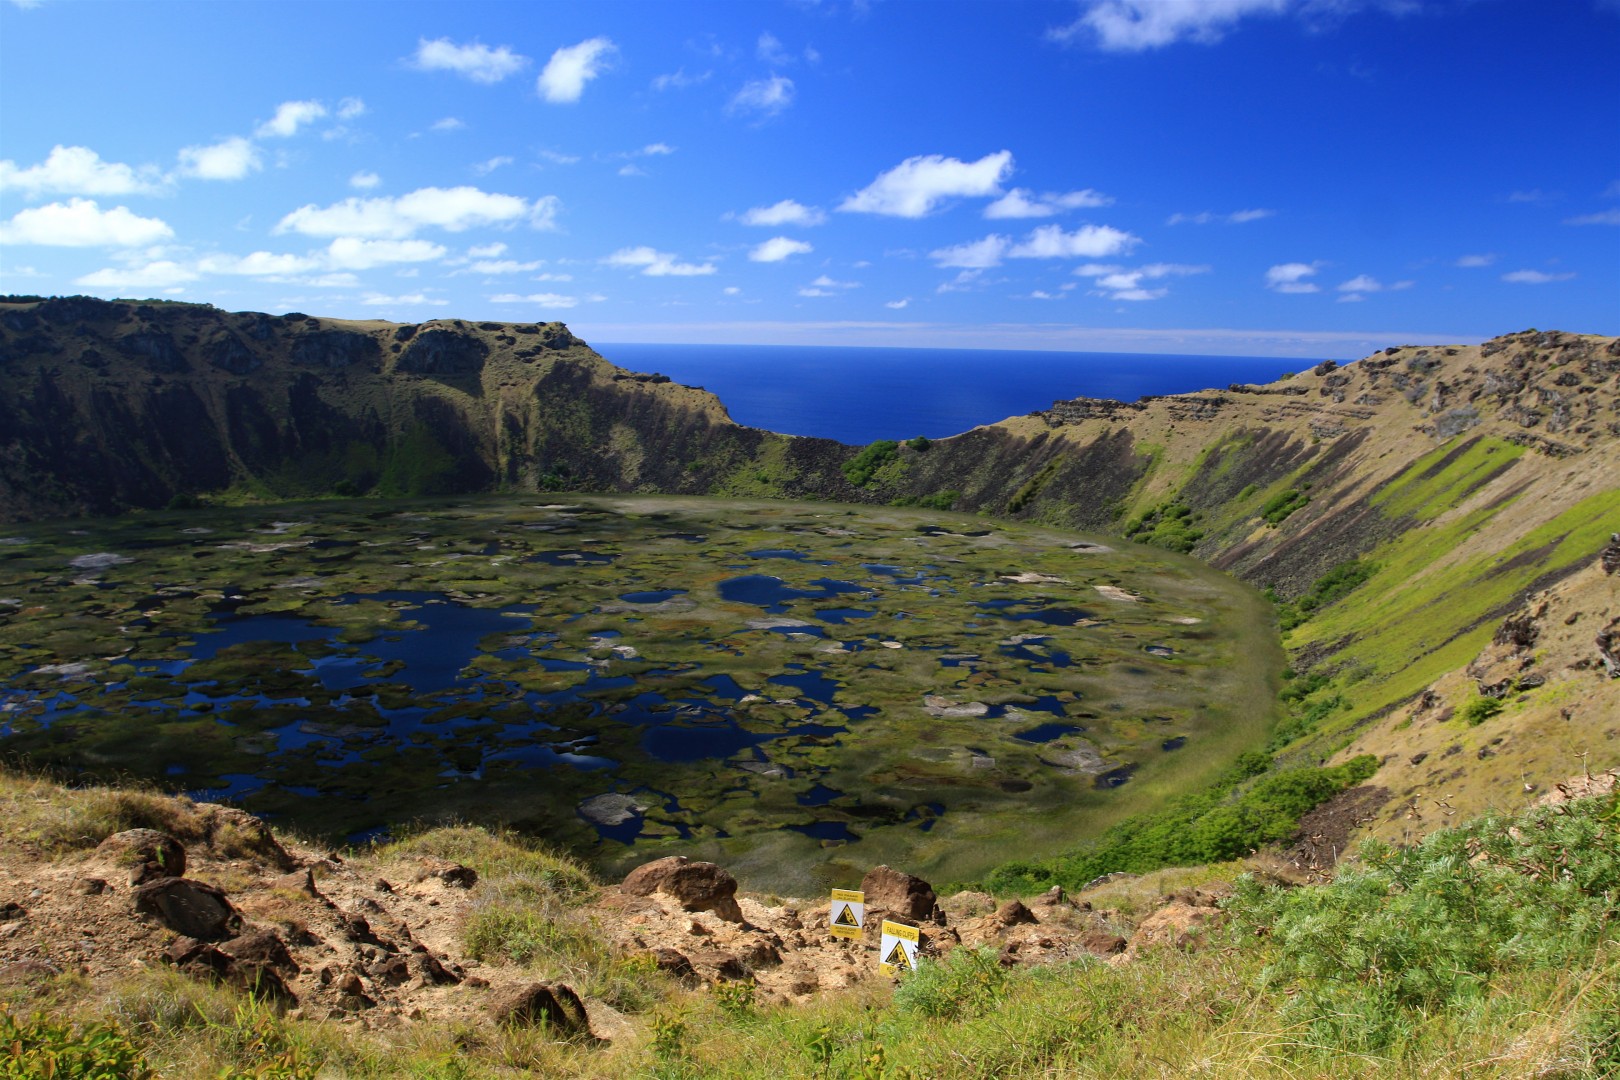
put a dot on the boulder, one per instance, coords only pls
(261, 947)
(696, 886)
(233, 833)
(673, 962)
(553, 1004)
(187, 907)
(906, 897)
(452, 874)
(1012, 913)
(148, 853)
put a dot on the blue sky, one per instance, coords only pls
(1263, 177)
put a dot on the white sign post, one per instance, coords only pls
(848, 913)
(898, 952)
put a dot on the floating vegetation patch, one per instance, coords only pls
(902, 687)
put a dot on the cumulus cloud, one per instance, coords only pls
(778, 248)
(918, 185)
(350, 107)
(82, 223)
(356, 253)
(974, 255)
(1475, 262)
(1138, 25)
(572, 66)
(379, 300)
(679, 80)
(452, 209)
(1290, 278)
(504, 266)
(898, 305)
(786, 212)
(229, 159)
(764, 98)
(826, 286)
(545, 299)
(487, 251)
(1122, 283)
(161, 274)
(1022, 203)
(484, 168)
(259, 264)
(364, 180)
(1365, 283)
(290, 116)
(1603, 217)
(654, 263)
(1086, 242)
(1236, 217)
(1534, 277)
(78, 170)
(475, 61)
(448, 123)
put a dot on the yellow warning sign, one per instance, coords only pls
(899, 948)
(848, 913)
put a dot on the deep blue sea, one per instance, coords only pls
(857, 395)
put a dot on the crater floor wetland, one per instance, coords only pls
(798, 691)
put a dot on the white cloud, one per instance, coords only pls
(156, 275)
(1086, 242)
(259, 264)
(1236, 217)
(786, 212)
(764, 97)
(357, 253)
(448, 123)
(1137, 25)
(452, 209)
(770, 50)
(364, 180)
(898, 305)
(1534, 195)
(1604, 217)
(350, 107)
(379, 300)
(918, 185)
(655, 263)
(229, 159)
(826, 286)
(1534, 277)
(1121, 283)
(572, 66)
(1365, 283)
(487, 251)
(974, 255)
(558, 159)
(778, 248)
(731, 290)
(632, 170)
(290, 116)
(545, 299)
(1290, 278)
(1351, 298)
(657, 149)
(504, 266)
(78, 170)
(1474, 262)
(1023, 203)
(82, 223)
(477, 62)
(484, 168)
(679, 80)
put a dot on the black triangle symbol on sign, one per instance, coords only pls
(897, 957)
(846, 917)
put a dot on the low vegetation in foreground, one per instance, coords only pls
(1486, 950)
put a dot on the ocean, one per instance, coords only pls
(858, 395)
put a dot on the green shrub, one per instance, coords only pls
(920, 444)
(966, 983)
(859, 469)
(1170, 526)
(1337, 583)
(1404, 933)
(41, 1047)
(1280, 506)
(1481, 709)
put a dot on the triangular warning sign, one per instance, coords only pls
(897, 957)
(846, 917)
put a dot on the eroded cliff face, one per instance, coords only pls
(111, 406)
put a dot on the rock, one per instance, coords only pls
(261, 947)
(12, 910)
(724, 965)
(233, 833)
(1102, 943)
(187, 907)
(1052, 897)
(299, 881)
(907, 897)
(392, 970)
(349, 985)
(553, 1004)
(148, 853)
(257, 971)
(431, 972)
(609, 808)
(1609, 558)
(696, 886)
(451, 873)
(443, 352)
(90, 886)
(1012, 913)
(1178, 923)
(673, 962)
